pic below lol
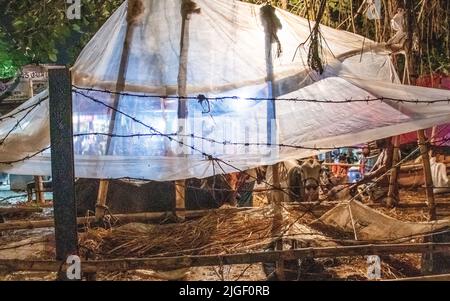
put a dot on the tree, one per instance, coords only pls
(431, 32)
(10, 59)
(41, 31)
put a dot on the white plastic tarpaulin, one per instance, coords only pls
(232, 52)
(370, 225)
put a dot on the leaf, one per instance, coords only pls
(18, 23)
(52, 57)
(76, 27)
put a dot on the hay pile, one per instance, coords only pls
(216, 233)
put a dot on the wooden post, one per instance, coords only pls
(270, 30)
(180, 200)
(38, 185)
(39, 188)
(187, 9)
(410, 26)
(134, 11)
(63, 175)
(434, 132)
(188, 261)
(100, 207)
(427, 258)
(393, 197)
(427, 172)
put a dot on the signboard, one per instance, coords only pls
(33, 80)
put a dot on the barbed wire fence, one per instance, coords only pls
(26, 111)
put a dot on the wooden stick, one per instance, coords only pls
(171, 263)
(277, 219)
(123, 218)
(100, 207)
(427, 172)
(443, 277)
(341, 164)
(39, 187)
(9, 211)
(416, 167)
(180, 200)
(393, 197)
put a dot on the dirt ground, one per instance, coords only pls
(38, 244)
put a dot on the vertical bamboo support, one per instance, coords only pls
(100, 207)
(39, 187)
(434, 133)
(270, 28)
(278, 219)
(427, 258)
(393, 196)
(187, 9)
(180, 200)
(427, 172)
(134, 11)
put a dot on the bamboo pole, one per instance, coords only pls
(427, 172)
(393, 197)
(443, 277)
(10, 211)
(39, 188)
(427, 257)
(133, 6)
(171, 263)
(100, 207)
(187, 9)
(270, 30)
(277, 219)
(158, 216)
(180, 200)
(122, 219)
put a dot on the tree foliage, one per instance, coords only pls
(39, 31)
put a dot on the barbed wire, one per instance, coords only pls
(24, 158)
(2, 140)
(2, 200)
(30, 107)
(211, 140)
(227, 143)
(202, 97)
(170, 137)
(210, 157)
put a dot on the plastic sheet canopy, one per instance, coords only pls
(264, 104)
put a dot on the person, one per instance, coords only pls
(380, 168)
(340, 170)
(366, 161)
(244, 187)
(441, 182)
